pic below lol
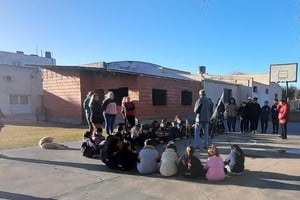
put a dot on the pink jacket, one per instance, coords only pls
(215, 169)
(111, 108)
(283, 113)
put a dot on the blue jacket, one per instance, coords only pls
(236, 160)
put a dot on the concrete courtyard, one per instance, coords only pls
(272, 172)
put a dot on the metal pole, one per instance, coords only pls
(286, 92)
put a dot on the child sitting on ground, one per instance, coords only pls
(234, 163)
(88, 147)
(214, 166)
(98, 137)
(169, 160)
(135, 132)
(189, 165)
(109, 153)
(126, 158)
(148, 158)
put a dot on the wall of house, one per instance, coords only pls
(214, 89)
(261, 94)
(174, 88)
(140, 92)
(20, 90)
(62, 95)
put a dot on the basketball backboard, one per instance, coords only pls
(283, 72)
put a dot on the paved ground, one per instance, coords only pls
(34, 173)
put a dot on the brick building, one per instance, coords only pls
(156, 91)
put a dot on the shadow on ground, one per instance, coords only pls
(15, 196)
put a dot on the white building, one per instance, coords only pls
(240, 87)
(20, 89)
(21, 59)
(21, 84)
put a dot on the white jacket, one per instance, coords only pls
(169, 161)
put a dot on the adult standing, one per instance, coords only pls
(274, 114)
(203, 111)
(110, 112)
(248, 113)
(87, 110)
(264, 116)
(283, 117)
(254, 111)
(242, 114)
(1, 119)
(232, 110)
(128, 111)
(95, 106)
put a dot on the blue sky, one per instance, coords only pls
(226, 36)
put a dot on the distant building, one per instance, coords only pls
(21, 59)
(21, 83)
(243, 86)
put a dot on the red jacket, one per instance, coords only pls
(283, 113)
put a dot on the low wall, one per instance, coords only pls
(294, 116)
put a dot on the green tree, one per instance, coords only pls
(293, 92)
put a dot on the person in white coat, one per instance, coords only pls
(169, 160)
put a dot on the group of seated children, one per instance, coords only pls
(116, 152)
(158, 132)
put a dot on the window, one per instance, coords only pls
(227, 95)
(267, 91)
(18, 99)
(119, 94)
(276, 96)
(23, 99)
(13, 99)
(159, 97)
(186, 98)
(255, 89)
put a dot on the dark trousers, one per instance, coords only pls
(253, 123)
(243, 125)
(247, 121)
(130, 120)
(231, 121)
(283, 130)
(275, 124)
(264, 126)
